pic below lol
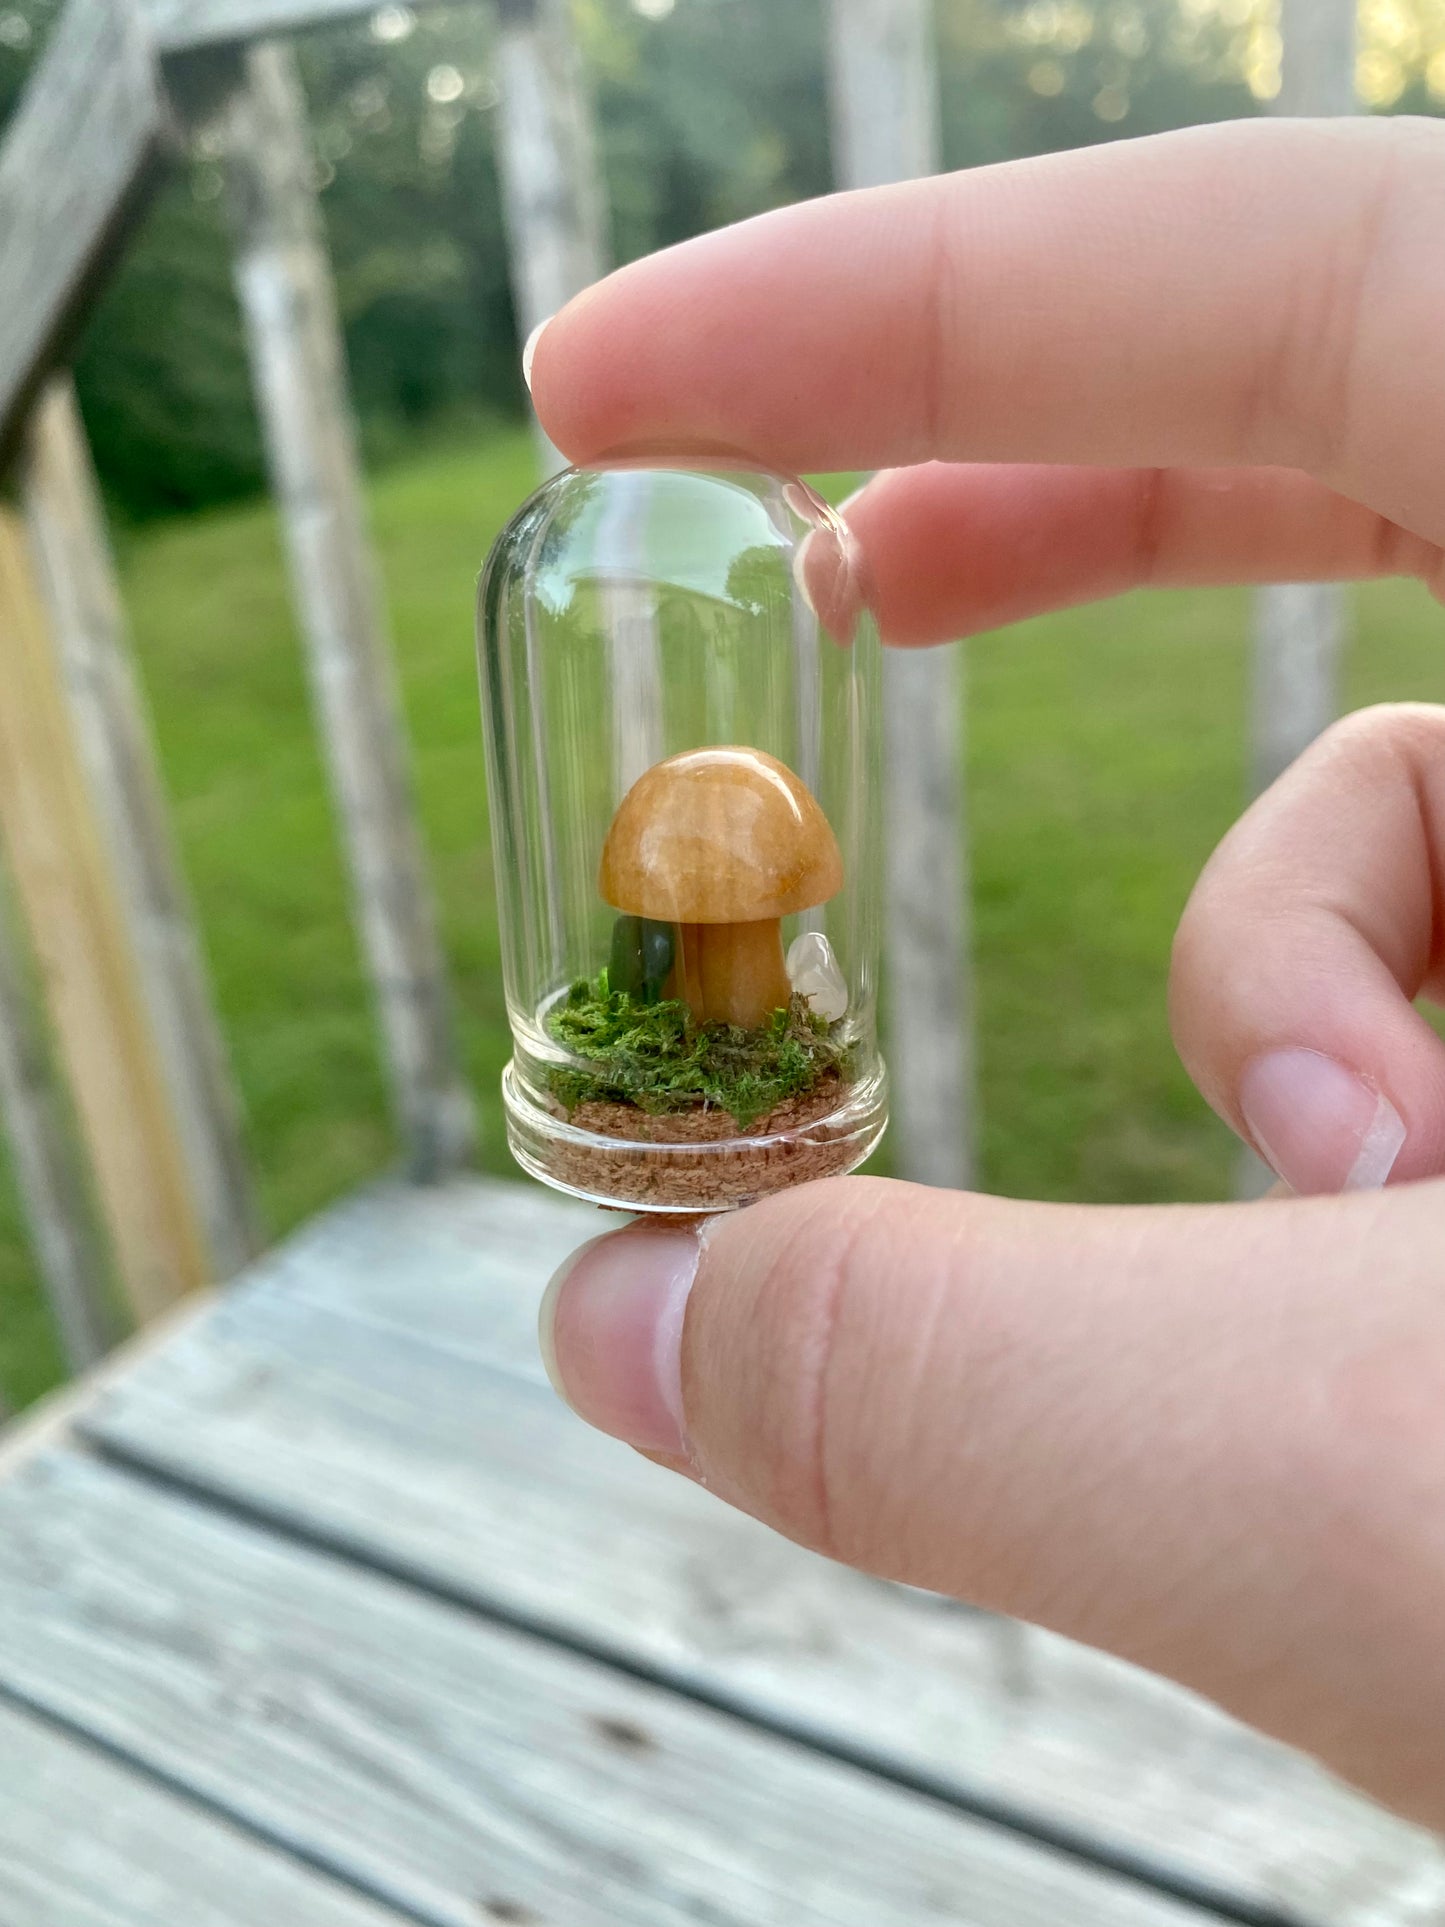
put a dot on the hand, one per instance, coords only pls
(1211, 1440)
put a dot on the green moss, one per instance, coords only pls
(653, 1056)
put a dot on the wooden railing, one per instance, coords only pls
(81, 151)
(90, 860)
(884, 104)
(85, 836)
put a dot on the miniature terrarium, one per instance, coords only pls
(680, 687)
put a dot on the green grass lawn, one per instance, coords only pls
(1105, 759)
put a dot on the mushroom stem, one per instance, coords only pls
(731, 973)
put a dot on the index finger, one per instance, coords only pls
(1266, 292)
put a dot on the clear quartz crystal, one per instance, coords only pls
(813, 972)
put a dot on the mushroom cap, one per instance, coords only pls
(719, 835)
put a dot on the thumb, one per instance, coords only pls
(1210, 1439)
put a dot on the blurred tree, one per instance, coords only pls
(161, 371)
(707, 110)
(1032, 76)
(402, 123)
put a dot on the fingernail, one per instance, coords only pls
(529, 351)
(1318, 1124)
(610, 1330)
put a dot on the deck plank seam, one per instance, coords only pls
(1215, 1902)
(314, 1860)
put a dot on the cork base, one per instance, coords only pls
(693, 1161)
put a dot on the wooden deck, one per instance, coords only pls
(318, 1609)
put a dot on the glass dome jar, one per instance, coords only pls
(681, 698)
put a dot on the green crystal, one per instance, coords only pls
(641, 958)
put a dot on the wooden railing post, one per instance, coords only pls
(182, 26)
(552, 195)
(883, 91)
(76, 163)
(47, 1166)
(556, 220)
(77, 577)
(885, 128)
(294, 339)
(1300, 628)
(58, 858)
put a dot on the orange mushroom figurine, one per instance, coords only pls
(722, 843)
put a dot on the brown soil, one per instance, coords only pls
(699, 1126)
(648, 1177)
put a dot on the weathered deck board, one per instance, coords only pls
(456, 1769)
(378, 1386)
(87, 1842)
